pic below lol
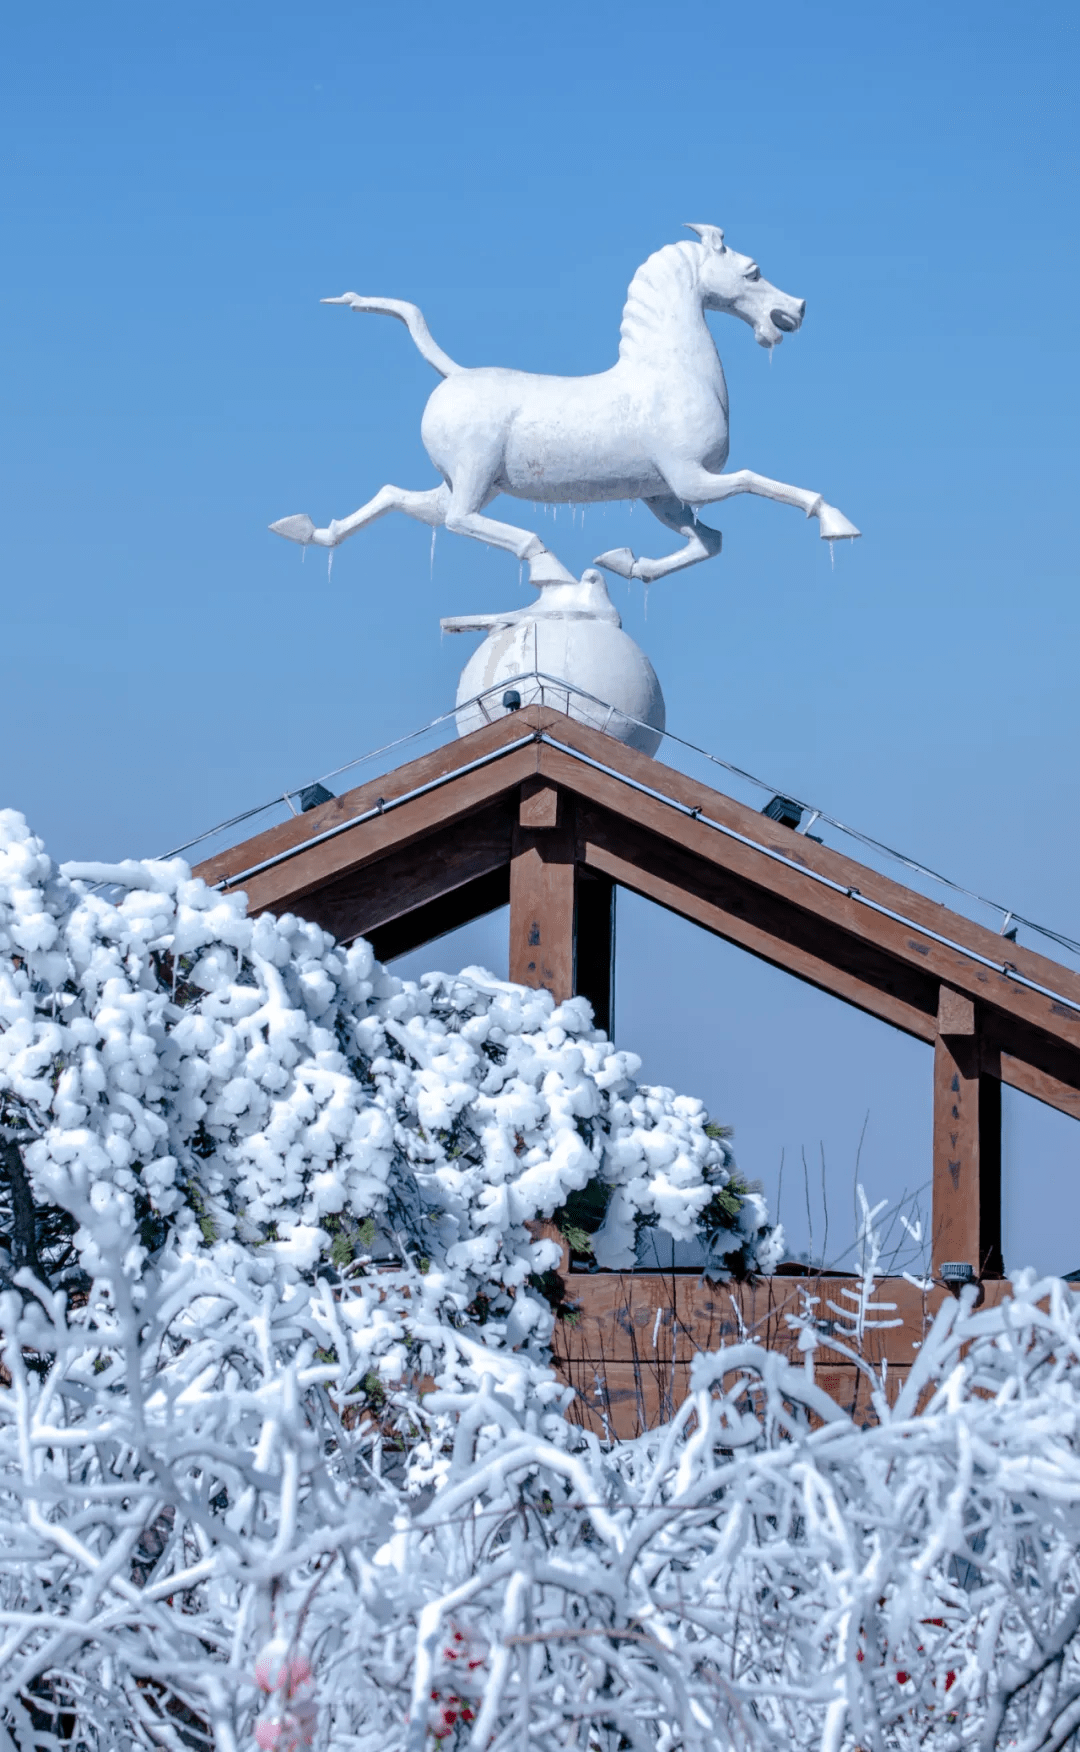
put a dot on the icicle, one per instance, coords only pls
(329, 564)
(832, 555)
(434, 533)
(303, 553)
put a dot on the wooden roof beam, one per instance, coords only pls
(366, 900)
(754, 920)
(446, 912)
(782, 863)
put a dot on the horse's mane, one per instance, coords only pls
(663, 280)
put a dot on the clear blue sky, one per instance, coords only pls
(182, 185)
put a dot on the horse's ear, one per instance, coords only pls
(711, 236)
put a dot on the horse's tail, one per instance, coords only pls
(413, 318)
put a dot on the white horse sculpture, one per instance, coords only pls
(654, 427)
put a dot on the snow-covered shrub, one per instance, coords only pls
(247, 1083)
(283, 1462)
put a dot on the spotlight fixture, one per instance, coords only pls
(783, 810)
(312, 795)
(512, 700)
(957, 1272)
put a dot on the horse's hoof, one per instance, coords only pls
(834, 526)
(620, 560)
(299, 528)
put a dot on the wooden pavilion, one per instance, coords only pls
(541, 812)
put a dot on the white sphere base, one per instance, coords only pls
(594, 655)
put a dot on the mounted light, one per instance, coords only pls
(512, 700)
(783, 810)
(312, 795)
(956, 1273)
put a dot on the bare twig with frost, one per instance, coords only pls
(185, 1523)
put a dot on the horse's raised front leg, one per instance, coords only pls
(701, 544)
(698, 486)
(428, 507)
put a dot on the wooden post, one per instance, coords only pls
(966, 1198)
(562, 915)
(542, 891)
(594, 944)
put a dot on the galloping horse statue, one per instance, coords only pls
(654, 427)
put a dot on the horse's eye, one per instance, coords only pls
(754, 274)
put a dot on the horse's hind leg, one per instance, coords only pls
(473, 489)
(701, 543)
(459, 510)
(427, 507)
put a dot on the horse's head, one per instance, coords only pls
(733, 282)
